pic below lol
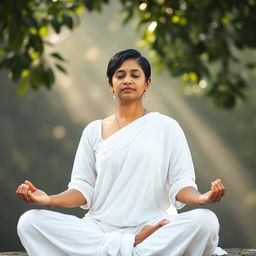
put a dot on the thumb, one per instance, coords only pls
(31, 186)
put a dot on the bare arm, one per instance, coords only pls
(69, 198)
(190, 195)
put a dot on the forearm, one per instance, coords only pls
(188, 195)
(68, 199)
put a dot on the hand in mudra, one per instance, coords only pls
(148, 230)
(29, 193)
(215, 194)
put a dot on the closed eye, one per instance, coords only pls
(122, 76)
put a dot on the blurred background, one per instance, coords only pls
(40, 131)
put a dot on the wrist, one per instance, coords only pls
(200, 200)
(50, 201)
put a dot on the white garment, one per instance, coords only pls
(131, 176)
(43, 232)
(129, 180)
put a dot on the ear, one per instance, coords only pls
(111, 88)
(147, 84)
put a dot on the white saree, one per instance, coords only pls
(130, 180)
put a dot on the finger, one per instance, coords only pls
(21, 196)
(24, 193)
(220, 195)
(214, 187)
(212, 193)
(221, 187)
(30, 197)
(220, 190)
(19, 191)
(31, 186)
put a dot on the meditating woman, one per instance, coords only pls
(128, 170)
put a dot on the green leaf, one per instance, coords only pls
(251, 65)
(68, 21)
(61, 68)
(57, 56)
(48, 78)
(56, 25)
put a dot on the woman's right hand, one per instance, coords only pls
(29, 193)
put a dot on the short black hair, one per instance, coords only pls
(117, 60)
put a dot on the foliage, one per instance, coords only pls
(25, 30)
(189, 36)
(199, 40)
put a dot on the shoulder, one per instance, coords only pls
(172, 129)
(168, 126)
(91, 132)
(167, 121)
(91, 127)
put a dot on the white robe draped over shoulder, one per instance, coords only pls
(133, 175)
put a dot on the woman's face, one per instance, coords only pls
(128, 82)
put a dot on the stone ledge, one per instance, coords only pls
(231, 252)
(241, 252)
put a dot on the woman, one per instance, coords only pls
(128, 169)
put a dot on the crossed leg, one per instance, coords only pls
(44, 232)
(187, 234)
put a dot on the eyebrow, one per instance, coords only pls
(122, 70)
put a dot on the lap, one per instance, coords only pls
(75, 235)
(48, 218)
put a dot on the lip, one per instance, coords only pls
(127, 89)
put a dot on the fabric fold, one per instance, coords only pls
(118, 244)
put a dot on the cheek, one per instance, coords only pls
(115, 81)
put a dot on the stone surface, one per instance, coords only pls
(13, 254)
(241, 252)
(231, 252)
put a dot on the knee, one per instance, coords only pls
(207, 221)
(26, 221)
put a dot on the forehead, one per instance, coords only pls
(129, 65)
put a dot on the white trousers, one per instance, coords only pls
(44, 232)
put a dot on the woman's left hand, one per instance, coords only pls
(149, 230)
(214, 195)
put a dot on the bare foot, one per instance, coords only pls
(148, 230)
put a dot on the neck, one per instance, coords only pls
(131, 111)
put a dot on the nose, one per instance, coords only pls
(127, 80)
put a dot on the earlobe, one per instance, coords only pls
(111, 88)
(147, 84)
